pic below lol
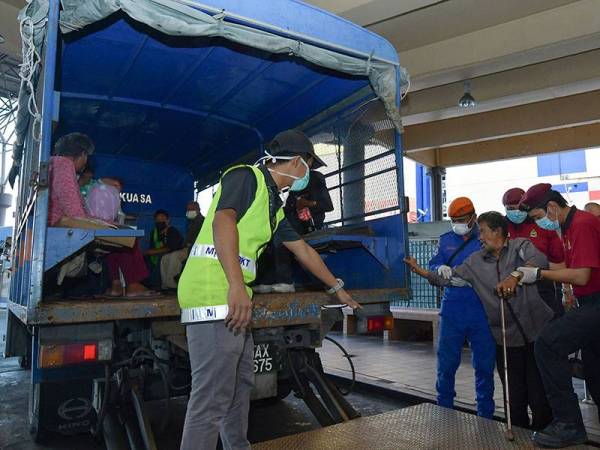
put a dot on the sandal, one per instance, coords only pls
(108, 294)
(144, 294)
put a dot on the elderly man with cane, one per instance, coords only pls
(525, 314)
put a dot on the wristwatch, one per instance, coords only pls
(517, 274)
(339, 286)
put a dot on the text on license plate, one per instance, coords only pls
(263, 362)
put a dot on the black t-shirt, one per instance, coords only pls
(172, 239)
(238, 189)
(194, 228)
(316, 191)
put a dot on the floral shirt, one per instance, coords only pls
(65, 197)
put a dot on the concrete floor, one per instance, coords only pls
(410, 368)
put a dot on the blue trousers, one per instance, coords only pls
(466, 320)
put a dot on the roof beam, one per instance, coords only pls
(550, 114)
(583, 136)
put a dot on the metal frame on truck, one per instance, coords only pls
(135, 77)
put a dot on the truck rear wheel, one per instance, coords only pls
(283, 389)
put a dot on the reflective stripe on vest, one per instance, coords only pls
(209, 251)
(204, 314)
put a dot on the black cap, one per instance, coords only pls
(294, 142)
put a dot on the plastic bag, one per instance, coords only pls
(103, 202)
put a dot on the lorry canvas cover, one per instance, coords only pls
(131, 78)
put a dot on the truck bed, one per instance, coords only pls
(270, 310)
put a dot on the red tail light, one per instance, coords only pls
(56, 355)
(375, 324)
(380, 323)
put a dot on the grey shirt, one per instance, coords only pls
(484, 271)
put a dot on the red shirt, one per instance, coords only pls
(65, 197)
(546, 241)
(581, 238)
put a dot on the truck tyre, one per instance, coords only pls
(25, 360)
(283, 389)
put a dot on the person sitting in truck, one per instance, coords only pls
(164, 239)
(172, 263)
(70, 156)
(215, 297)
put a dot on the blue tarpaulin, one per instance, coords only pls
(144, 82)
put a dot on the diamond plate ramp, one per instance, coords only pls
(424, 426)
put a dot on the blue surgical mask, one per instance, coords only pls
(516, 216)
(548, 224)
(299, 183)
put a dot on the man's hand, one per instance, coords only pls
(346, 299)
(240, 308)
(507, 288)
(413, 265)
(568, 299)
(445, 272)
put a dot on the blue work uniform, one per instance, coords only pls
(463, 317)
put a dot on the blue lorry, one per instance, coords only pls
(173, 92)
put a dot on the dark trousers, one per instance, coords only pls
(577, 329)
(551, 293)
(153, 281)
(275, 266)
(525, 386)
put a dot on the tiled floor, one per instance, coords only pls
(410, 367)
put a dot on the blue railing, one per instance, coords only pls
(423, 294)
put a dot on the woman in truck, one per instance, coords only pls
(69, 157)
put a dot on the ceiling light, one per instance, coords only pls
(467, 100)
(2, 40)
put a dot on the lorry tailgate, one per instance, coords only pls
(271, 310)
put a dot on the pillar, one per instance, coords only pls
(359, 135)
(438, 192)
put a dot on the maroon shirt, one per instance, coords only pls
(581, 238)
(546, 241)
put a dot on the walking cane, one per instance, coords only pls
(509, 433)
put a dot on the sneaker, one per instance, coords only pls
(560, 434)
(262, 289)
(283, 288)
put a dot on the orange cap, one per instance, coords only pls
(461, 206)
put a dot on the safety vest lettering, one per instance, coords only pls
(209, 251)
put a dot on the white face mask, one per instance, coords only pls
(191, 215)
(460, 228)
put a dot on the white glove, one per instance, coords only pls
(529, 274)
(445, 272)
(459, 282)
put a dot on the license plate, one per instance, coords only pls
(263, 360)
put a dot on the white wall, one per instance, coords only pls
(485, 183)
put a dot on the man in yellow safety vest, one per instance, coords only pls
(245, 215)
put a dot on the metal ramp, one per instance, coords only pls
(424, 426)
